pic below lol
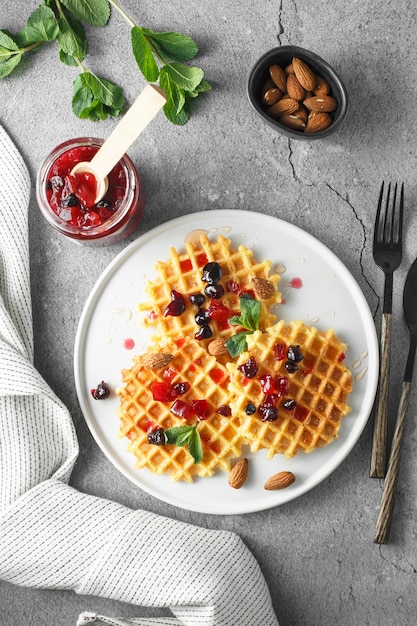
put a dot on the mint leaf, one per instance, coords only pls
(7, 41)
(142, 53)
(7, 67)
(175, 95)
(250, 313)
(184, 76)
(236, 344)
(183, 435)
(195, 447)
(71, 39)
(91, 101)
(172, 46)
(42, 25)
(93, 12)
(105, 91)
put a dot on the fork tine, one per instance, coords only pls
(401, 218)
(378, 214)
(394, 204)
(385, 233)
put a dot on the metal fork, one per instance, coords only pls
(387, 252)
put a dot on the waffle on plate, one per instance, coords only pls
(182, 274)
(290, 389)
(178, 385)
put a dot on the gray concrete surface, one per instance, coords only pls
(317, 552)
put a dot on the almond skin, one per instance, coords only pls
(322, 88)
(284, 106)
(217, 347)
(278, 77)
(272, 95)
(294, 89)
(325, 104)
(279, 481)
(304, 74)
(292, 121)
(156, 360)
(263, 287)
(318, 122)
(239, 474)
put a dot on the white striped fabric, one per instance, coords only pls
(52, 536)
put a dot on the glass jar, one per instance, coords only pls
(109, 221)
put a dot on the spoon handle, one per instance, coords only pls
(149, 102)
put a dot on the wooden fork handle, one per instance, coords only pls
(390, 484)
(379, 442)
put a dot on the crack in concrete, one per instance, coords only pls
(362, 251)
(280, 26)
(412, 569)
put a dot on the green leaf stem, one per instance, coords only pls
(160, 56)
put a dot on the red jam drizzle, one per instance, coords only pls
(296, 283)
(72, 197)
(129, 343)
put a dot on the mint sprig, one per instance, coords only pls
(160, 56)
(250, 314)
(186, 435)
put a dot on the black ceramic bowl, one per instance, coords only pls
(283, 56)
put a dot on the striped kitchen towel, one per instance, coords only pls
(53, 536)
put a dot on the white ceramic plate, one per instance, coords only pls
(317, 288)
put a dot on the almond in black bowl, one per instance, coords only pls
(297, 93)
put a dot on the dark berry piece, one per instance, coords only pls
(214, 291)
(101, 392)
(204, 332)
(289, 405)
(181, 388)
(294, 354)
(224, 410)
(176, 306)
(70, 200)
(196, 298)
(157, 436)
(269, 413)
(201, 318)
(212, 272)
(250, 408)
(249, 368)
(291, 367)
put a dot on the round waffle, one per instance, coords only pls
(308, 393)
(206, 380)
(182, 273)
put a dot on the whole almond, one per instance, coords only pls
(294, 89)
(278, 77)
(284, 106)
(322, 87)
(304, 74)
(239, 474)
(156, 360)
(325, 104)
(263, 287)
(289, 69)
(279, 481)
(318, 122)
(272, 95)
(292, 121)
(217, 347)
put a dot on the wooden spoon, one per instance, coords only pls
(135, 120)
